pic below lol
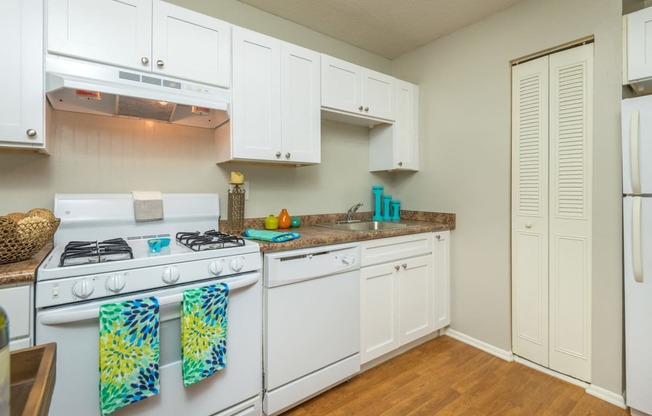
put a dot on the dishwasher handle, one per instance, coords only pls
(92, 312)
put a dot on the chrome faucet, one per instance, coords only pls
(352, 210)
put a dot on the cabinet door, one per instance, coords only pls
(117, 32)
(378, 95)
(639, 45)
(301, 101)
(441, 302)
(190, 45)
(22, 98)
(256, 117)
(396, 146)
(379, 315)
(341, 85)
(16, 301)
(416, 287)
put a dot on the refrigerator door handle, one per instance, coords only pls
(633, 152)
(636, 239)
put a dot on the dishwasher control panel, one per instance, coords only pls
(298, 265)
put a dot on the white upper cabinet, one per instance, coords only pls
(395, 146)
(22, 101)
(357, 91)
(639, 45)
(148, 35)
(276, 103)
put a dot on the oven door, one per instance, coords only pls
(75, 329)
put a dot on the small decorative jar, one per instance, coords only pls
(284, 220)
(295, 222)
(271, 222)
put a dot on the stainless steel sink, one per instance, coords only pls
(363, 225)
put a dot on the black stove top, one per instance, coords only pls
(84, 252)
(209, 240)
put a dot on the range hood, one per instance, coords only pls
(89, 87)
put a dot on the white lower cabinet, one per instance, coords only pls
(404, 291)
(17, 303)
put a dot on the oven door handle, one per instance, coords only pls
(94, 312)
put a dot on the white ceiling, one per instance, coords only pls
(388, 28)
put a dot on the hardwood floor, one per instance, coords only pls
(446, 377)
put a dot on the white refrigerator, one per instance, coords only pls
(637, 239)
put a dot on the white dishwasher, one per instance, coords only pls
(311, 322)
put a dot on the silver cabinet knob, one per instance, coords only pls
(31, 133)
(360, 108)
(287, 155)
(438, 237)
(278, 154)
(160, 63)
(397, 267)
(404, 266)
(400, 163)
(366, 109)
(144, 60)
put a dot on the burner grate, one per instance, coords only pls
(84, 252)
(209, 240)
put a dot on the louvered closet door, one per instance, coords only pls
(551, 210)
(571, 98)
(530, 210)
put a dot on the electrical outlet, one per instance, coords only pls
(244, 186)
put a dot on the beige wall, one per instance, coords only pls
(465, 158)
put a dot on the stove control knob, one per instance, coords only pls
(115, 283)
(347, 260)
(82, 288)
(236, 264)
(216, 267)
(170, 275)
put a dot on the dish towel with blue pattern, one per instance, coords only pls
(203, 331)
(273, 236)
(129, 353)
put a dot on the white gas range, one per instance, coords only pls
(102, 255)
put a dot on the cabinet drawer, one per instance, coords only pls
(16, 303)
(390, 249)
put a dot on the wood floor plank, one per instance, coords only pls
(445, 377)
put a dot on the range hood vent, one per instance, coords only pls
(87, 87)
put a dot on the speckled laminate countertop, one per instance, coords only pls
(22, 271)
(312, 235)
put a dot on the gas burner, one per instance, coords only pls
(87, 252)
(209, 240)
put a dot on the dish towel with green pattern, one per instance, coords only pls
(129, 353)
(203, 331)
(272, 236)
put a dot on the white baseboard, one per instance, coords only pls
(607, 395)
(481, 345)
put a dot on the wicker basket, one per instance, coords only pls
(23, 235)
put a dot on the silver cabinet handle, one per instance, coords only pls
(160, 63)
(366, 109)
(397, 267)
(144, 60)
(31, 133)
(278, 154)
(438, 237)
(400, 163)
(287, 155)
(404, 266)
(360, 108)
